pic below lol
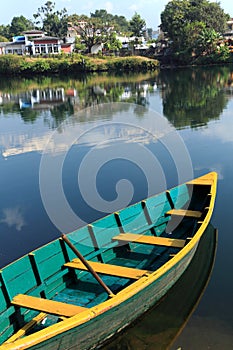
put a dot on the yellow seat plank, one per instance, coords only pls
(163, 241)
(45, 305)
(108, 269)
(201, 181)
(183, 212)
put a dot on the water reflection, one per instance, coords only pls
(13, 217)
(64, 97)
(158, 329)
(193, 97)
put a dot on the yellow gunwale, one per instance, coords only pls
(128, 292)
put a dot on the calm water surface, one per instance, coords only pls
(73, 149)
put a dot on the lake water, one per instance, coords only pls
(75, 148)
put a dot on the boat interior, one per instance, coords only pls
(51, 283)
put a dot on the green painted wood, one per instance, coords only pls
(180, 196)
(133, 218)
(16, 273)
(157, 207)
(3, 303)
(104, 229)
(81, 235)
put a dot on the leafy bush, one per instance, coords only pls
(11, 65)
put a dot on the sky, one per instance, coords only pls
(149, 10)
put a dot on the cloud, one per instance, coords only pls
(221, 131)
(88, 6)
(134, 7)
(109, 6)
(13, 217)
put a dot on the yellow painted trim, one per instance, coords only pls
(128, 292)
(21, 332)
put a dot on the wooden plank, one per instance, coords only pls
(22, 331)
(47, 306)
(108, 269)
(201, 181)
(182, 212)
(163, 241)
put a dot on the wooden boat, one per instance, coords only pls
(78, 291)
(161, 326)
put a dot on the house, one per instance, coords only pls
(35, 42)
(17, 46)
(2, 47)
(229, 32)
(67, 47)
(44, 45)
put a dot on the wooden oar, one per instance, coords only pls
(90, 269)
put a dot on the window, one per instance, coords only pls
(55, 48)
(43, 49)
(37, 48)
(50, 48)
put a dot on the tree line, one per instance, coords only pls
(191, 29)
(99, 27)
(194, 31)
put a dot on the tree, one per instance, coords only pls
(185, 21)
(210, 13)
(113, 43)
(3, 39)
(137, 25)
(119, 23)
(79, 46)
(19, 25)
(103, 15)
(5, 31)
(173, 21)
(208, 40)
(93, 31)
(54, 23)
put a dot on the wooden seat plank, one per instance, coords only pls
(108, 269)
(183, 212)
(46, 305)
(163, 241)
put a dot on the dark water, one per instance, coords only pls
(73, 149)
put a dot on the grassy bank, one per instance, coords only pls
(18, 65)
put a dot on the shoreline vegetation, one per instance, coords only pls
(12, 65)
